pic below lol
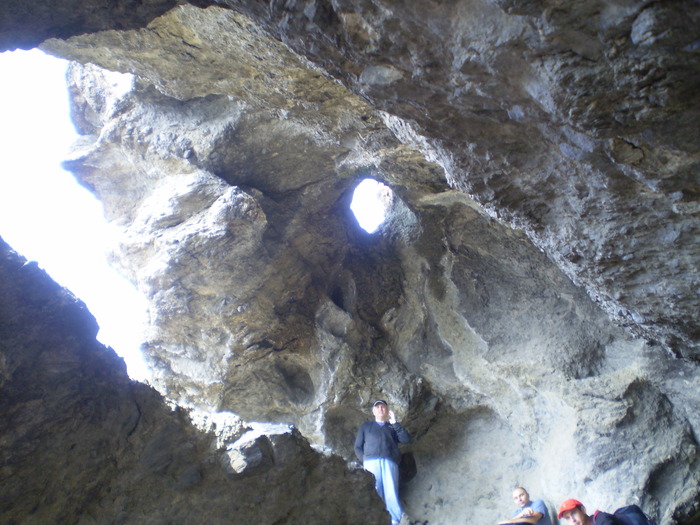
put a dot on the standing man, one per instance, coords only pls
(376, 445)
(528, 511)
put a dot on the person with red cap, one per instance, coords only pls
(572, 511)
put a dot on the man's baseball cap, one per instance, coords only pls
(379, 401)
(569, 504)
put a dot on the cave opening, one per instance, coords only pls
(371, 202)
(47, 216)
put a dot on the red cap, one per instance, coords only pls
(569, 504)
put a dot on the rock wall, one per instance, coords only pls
(81, 443)
(576, 123)
(529, 306)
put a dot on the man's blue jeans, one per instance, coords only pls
(386, 481)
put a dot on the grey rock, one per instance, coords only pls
(81, 443)
(529, 307)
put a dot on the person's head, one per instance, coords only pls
(380, 410)
(521, 497)
(573, 512)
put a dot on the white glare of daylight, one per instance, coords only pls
(371, 202)
(46, 216)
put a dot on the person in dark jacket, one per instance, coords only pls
(376, 446)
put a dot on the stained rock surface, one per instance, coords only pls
(529, 307)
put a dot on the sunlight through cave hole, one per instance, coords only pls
(371, 202)
(46, 216)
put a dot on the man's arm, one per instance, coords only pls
(360, 444)
(527, 515)
(530, 519)
(401, 433)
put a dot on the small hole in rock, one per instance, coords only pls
(337, 297)
(371, 202)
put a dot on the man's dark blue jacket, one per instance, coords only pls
(380, 441)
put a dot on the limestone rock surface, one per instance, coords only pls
(575, 122)
(529, 307)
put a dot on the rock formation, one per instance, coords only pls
(81, 443)
(529, 307)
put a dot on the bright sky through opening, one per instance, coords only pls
(46, 216)
(370, 204)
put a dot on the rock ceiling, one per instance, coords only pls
(530, 304)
